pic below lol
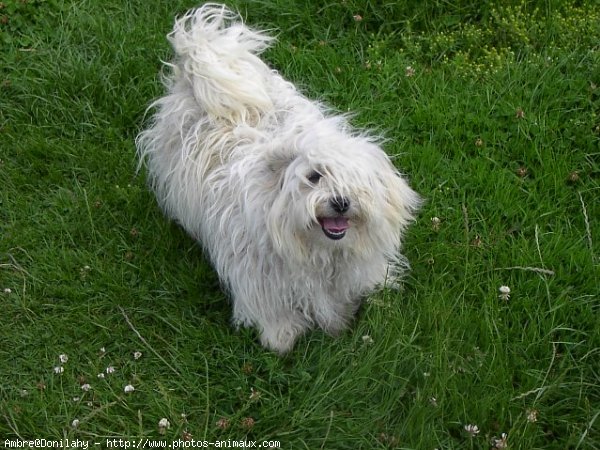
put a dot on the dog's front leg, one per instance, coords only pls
(333, 314)
(279, 332)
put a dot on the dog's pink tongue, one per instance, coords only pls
(335, 224)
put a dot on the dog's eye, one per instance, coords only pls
(314, 177)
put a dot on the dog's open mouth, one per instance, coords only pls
(334, 227)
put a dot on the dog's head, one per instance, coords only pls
(334, 191)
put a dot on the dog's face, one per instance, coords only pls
(323, 205)
(335, 191)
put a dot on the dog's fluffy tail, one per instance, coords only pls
(217, 57)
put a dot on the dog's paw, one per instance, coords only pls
(281, 337)
(334, 328)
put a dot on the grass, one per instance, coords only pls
(491, 110)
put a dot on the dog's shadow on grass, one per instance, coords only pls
(172, 267)
(193, 279)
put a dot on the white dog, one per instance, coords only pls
(300, 215)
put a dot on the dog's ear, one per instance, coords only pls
(401, 201)
(278, 160)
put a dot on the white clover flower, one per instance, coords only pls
(85, 387)
(137, 355)
(367, 339)
(248, 422)
(128, 389)
(110, 369)
(504, 292)
(164, 423)
(101, 375)
(223, 423)
(254, 394)
(500, 443)
(473, 430)
(59, 369)
(7, 290)
(532, 415)
(410, 71)
(63, 358)
(75, 423)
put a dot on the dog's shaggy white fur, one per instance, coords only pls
(301, 216)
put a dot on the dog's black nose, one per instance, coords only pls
(340, 204)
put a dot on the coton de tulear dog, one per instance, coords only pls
(301, 216)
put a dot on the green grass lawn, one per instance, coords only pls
(490, 108)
